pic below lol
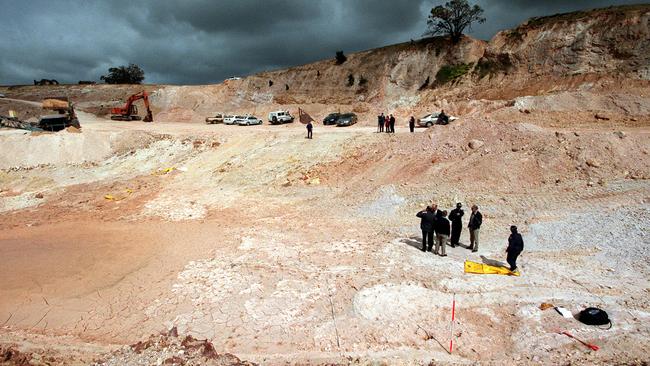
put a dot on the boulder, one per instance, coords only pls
(593, 163)
(601, 117)
(475, 144)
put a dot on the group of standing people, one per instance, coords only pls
(386, 123)
(434, 223)
(437, 228)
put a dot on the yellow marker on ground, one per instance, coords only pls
(482, 268)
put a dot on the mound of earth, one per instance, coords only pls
(169, 349)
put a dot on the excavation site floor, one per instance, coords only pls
(281, 249)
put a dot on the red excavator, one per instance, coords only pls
(130, 111)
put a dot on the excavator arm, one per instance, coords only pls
(129, 112)
(149, 116)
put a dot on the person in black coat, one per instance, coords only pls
(456, 218)
(380, 123)
(412, 124)
(515, 247)
(392, 124)
(442, 233)
(443, 119)
(427, 224)
(475, 221)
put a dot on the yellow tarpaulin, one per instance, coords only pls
(482, 268)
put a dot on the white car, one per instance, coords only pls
(233, 78)
(248, 121)
(2, 95)
(432, 119)
(278, 117)
(229, 119)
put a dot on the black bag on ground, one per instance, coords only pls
(594, 316)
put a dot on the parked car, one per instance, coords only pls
(432, 119)
(346, 119)
(331, 119)
(229, 119)
(218, 118)
(279, 117)
(233, 78)
(248, 121)
(2, 95)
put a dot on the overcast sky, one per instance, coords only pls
(205, 41)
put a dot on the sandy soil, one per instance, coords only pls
(281, 249)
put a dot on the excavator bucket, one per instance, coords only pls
(148, 117)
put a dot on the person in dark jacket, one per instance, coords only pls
(456, 218)
(392, 123)
(412, 124)
(443, 119)
(442, 233)
(310, 127)
(475, 221)
(380, 123)
(427, 222)
(515, 247)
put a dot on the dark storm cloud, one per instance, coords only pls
(204, 41)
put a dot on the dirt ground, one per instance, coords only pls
(279, 249)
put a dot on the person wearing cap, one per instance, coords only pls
(456, 218)
(515, 247)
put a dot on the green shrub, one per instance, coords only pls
(350, 80)
(362, 80)
(492, 65)
(449, 73)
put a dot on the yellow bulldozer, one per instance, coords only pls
(65, 117)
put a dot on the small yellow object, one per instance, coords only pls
(482, 268)
(163, 171)
(129, 190)
(109, 197)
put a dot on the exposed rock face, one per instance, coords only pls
(601, 41)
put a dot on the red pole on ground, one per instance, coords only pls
(451, 328)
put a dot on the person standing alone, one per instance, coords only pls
(442, 233)
(427, 222)
(412, 124)
(475, 221)
(515, 247)
(456, 218)
(310, 127)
